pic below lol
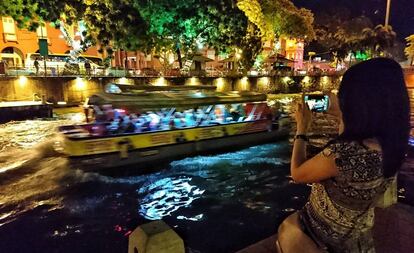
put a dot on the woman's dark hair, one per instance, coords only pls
(374, 102)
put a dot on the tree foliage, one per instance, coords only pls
(409, 50)
(112, 22)
(288, 20)
(182, 25)
(251, 46)
(342, 35)
(160, 26)
(279, 18)
(254, 13)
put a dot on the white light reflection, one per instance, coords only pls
(77, 117)
(12, 165)
(195, 218)
(167, 195)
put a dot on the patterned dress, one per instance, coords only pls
(340, 210)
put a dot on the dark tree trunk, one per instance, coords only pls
(178, 51)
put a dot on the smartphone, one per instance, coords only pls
(317, 103)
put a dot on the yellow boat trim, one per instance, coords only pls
(93, 146)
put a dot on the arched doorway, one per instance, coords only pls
(13, 56)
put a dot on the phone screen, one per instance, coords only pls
(317, 103)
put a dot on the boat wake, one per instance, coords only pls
(28, 178)
(36, 177)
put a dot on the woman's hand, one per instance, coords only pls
(303, 117)
(333, 108)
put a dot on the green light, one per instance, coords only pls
(361, 55)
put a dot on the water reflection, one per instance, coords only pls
(243, 176)
(165, 196)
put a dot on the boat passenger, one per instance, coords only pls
(130, 128)
(99, 114)
(219, 113)
(109, 112)
(121, 126)
(208, 120)
(145, 122)
(190, 119)
(154, 121)
(123, 123)
(165, 121)
(227, 115)
(178, 121)
(171, 124)
(199, 116)
(113, 126)
(139, 122)
(234, 114)
(118, 113)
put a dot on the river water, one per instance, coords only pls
(216, 203)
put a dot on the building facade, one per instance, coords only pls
(16, 44)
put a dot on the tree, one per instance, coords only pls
(385, 38)
(409, 50)
(275, 18)
(254, 12)
(164, 26)
(182, 25)
(251, 46)
(287, 20)
(111, 22)
(343, 36)
(357, 35)
(272, 19)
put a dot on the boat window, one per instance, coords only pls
(115, 121)
(112, 89)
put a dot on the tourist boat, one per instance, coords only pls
(89, 148)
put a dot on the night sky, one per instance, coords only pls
(401, 17)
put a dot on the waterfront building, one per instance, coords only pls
(16, 44)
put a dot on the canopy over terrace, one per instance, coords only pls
(196, 62)
(145, 101)
(199, 58)
(231, 58)
(278, 58)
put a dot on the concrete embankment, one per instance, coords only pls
(74, 90)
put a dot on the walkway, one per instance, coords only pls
(393, 232)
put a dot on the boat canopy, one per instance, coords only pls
(127, 88)
(150, 100)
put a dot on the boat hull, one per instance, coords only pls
(152, 157)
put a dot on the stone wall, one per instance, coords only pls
(75, 89)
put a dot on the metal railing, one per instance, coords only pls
(71, 70)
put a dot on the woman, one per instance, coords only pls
(353, 171)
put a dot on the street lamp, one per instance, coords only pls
(310, 54)
(387, 14)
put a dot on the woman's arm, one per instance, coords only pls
(318, 168)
